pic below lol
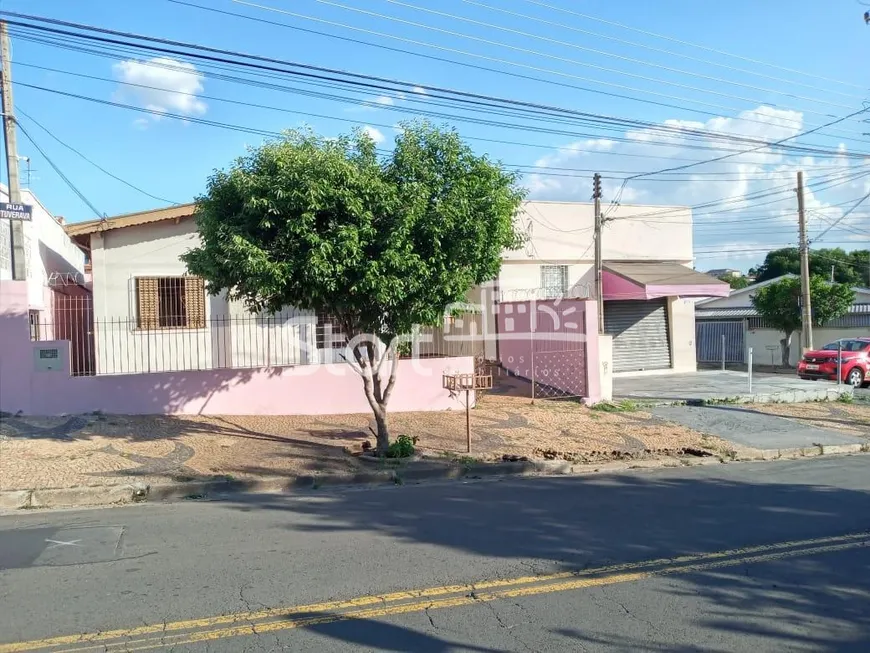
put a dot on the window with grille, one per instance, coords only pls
(34, 325)
(554, 280)
(329, 334)
(170, 303)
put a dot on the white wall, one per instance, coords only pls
(563, 231)
(681, 322)
(761, 339)
(233, 337)
(47, 249)
(744, 299)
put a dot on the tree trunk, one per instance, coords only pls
(377, 393)
(383, 432)
(785, 344)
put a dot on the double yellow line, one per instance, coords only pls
(449, 596)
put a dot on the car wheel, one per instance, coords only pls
(855, 378)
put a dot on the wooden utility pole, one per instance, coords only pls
(16, 227)
(806, 307)
(599, 285)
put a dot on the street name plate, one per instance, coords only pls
(16, 211)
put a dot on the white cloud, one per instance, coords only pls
(419, 90)
(374, 134)
(761, 221)
(385, 100)
(161, 85)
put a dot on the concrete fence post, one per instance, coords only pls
(723, 352)
(749, 371)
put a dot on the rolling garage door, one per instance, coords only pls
(640, 334)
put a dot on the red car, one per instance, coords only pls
(854, 365)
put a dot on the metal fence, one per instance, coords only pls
(128, 345)
(719, 342)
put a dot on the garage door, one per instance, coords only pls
(640, 334)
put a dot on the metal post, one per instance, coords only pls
(723, 352)
(468, 420)
(839, 362)
(749, 371)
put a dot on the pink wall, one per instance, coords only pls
(553, 334)
(302, 390)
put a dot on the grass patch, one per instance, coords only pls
(846, 399)
(624, 406)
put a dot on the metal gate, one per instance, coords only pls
(640, 334)
(708, 341)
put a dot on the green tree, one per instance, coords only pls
(736, 283)
(848, 267)
(779, 305)
(380, 243)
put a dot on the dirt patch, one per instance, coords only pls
(848, 418)
(108, 449)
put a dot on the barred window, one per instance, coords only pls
(35, 332)
(329, 333)
(170, 303)
(554, 280)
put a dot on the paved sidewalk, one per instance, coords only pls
(105, 450)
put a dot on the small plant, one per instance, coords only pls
(403, 447)
(846, 399)
(624, 406)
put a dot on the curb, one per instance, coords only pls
(222, 489)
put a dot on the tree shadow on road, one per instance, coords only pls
(573, 524)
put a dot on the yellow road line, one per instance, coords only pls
(245, 623)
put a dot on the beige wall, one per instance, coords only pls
(605, 356)
(761, 339)
(681, 322)
(563, 231)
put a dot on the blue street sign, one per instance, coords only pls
(16, 211)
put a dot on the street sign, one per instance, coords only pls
(16, 211)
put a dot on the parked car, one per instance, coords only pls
(854, 364)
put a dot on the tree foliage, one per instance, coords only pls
(380, 243)
(780, 306)
(736, 283)
(852, 268)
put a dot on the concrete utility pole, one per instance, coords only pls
(806, 307)
(599, 285)
(16, 227)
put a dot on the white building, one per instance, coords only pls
(54, 264)
(735, 318)
(648, 280)
(150, 316)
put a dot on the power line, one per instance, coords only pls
(96, 165)
(514, 64)
(690, 44)
(430, 113)
(855, 206)
(59, 172)
(594, 51)
(644, 46)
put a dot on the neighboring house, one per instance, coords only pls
(725, 272)
(735, 318)
(150, 316)
(648, 281)
(55, 271)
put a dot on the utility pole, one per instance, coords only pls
(16, 227)
(806, 308)
(599, 285)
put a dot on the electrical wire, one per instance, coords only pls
(455, 62)
(96, 165)
(59, 172)
(688, 43)
(538, 37)
(644, 46)
(845, 214)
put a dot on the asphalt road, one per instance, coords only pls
(744, 557)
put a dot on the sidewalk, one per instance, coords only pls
(103, 450)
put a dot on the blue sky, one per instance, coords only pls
(822, 43)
